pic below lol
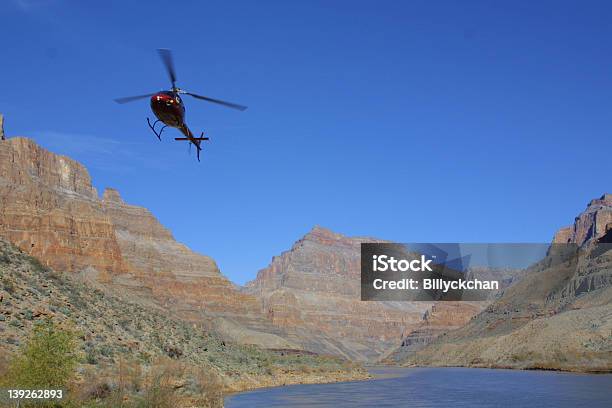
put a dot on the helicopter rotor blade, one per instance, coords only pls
(133, 98)
(166, 57)
(217, 101)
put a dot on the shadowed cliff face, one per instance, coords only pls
(594, 222)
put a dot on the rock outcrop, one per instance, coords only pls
(594, 222)
(558, 316)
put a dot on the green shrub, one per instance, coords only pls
(47, 360)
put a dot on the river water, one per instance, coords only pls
(441, 387)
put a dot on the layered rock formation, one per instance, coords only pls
(49, 208)
(180, 278)
(316, 284)
(309, 297)
(51, 211)
(558, 316)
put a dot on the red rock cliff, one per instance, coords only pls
(49, 208)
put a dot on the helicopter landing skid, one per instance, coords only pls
(158, 134)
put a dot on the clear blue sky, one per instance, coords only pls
(411, 121)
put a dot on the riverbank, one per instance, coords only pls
(289, 377)
(520, 367)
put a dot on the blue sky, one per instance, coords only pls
(409, 121)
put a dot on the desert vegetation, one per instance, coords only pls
(106, 350)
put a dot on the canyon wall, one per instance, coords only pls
(307, 298)
(49, 209)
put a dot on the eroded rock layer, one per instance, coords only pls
(49, 208)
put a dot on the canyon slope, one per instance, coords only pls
(558, 316)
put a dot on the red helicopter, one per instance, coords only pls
(169, 109)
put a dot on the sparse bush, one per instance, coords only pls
(106, 350)
(47, 360)
(4, 258)
(8, 285)
(173, 351)
(91, 357)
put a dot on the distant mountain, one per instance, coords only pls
(317, 284)
(558, 316)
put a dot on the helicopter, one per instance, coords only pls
(169, 109)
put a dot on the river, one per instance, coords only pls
(441, 387)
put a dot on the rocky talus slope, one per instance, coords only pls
(114, 328)
(558, 316)
(316, 284)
